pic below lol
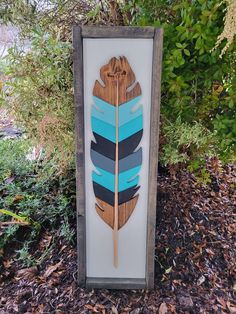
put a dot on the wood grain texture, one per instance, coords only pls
(117, 32)
(116, 69)
(153, 155)
(119, 86)
(106, 211)
(115, 283)
(80, 165)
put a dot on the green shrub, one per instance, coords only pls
(186, 143)
(198, 87)
(13, 158)
(41, 98)
(33, 194)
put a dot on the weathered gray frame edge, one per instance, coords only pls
(80, 164)
(116, 283)
(116, 32)
(153, 155)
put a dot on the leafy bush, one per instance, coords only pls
(186, 143)
(198, 87)
(41, 99)
(54, 16)
(12, 158)
(32, 194)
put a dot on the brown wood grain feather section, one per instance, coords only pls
(119, 87)
(116, 69)
(106, 211)
(108, 74)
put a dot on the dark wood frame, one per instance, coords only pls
(116, 32)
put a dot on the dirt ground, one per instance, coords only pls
(195, 259)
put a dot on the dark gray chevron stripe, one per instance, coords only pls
(129, 162)
(109, 197)
(108, 148)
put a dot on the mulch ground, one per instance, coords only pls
(195, 259)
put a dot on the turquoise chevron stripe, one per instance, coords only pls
(109, 132)
(104, 129)
(103, 111)
(130, 128)
(127, 179)
(127, 112)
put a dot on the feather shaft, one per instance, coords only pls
(116, 218)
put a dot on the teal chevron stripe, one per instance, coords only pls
(127, 179)
(104, 129)
(130, 128)
(109, 132)
(127, 112)
(103, 111)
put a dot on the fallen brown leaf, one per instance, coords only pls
(163, 308)
(7, 264)
(178, 250)
(231, 307)
(27, 273)
(40, 309)
(114, 310)
(18, 198)
(51, 269)
(91, 307)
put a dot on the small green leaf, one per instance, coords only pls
(231, 104)
(198, 43)
(17, 217)
(187, 52)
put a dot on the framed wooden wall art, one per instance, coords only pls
(117, 75)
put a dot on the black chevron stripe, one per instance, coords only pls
(108, 148)
(109, 197)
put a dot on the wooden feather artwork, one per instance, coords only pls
(117, 126)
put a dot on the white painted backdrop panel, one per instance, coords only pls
(132, 236)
